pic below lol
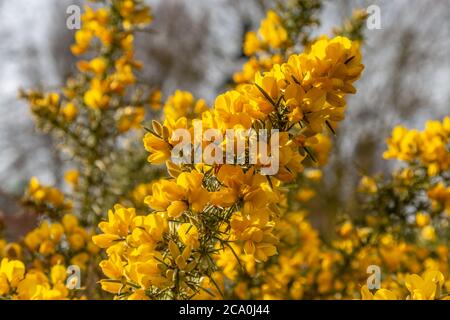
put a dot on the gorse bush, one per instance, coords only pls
(137, 224)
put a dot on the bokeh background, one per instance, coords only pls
(196, 45)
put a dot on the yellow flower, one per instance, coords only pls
(254, 65)
(149, 229)
(422, 219)
(272, 31)
(13, 270)
(70, 222)
(367, 185)
(140, 192)
(4, 285)
(429, 147)
(161, 192)
(97, 96)
(426, 287)
(69, 112)
(71, 177)
(76, 241)
(58, 274)
(113, 268)
(314, 174)
(346, 229)
(154, 100)
(428, 233)
(305, 194)
(196, 195)
(380, 294)
(82, 41)
(159, 142)
(266, 87)
(183, 104)
(251, 43)
(174, 195)
(130, 118)
(188, 234)
(133, 14)
(138, 295)
(321, 146)
(116, 228)
(111, 287)
(256, 232)
(47, 195)
(159, 148)
(440, 196)
(80, 260)
(47, 247)
(56, 232)
(176, 208)
(97, 65)
(231, 110)
(33, 286)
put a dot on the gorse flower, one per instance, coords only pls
(381, 294)
(428, 147)
(182, 104)
(47, 196)
(427, 287)
(265, 48)
(185, 192)
(271, 34)
(17, 283)
(49, 248)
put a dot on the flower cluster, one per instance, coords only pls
(50, 197)
(270, 34)
(301, 98)
(39, 267)
(207, 208)
(179, 110)
(428, 147)
(56, 242)
(425, 287)
(403, 232)
(264, 48)
(18, 283)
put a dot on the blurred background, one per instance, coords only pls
(196, 45)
